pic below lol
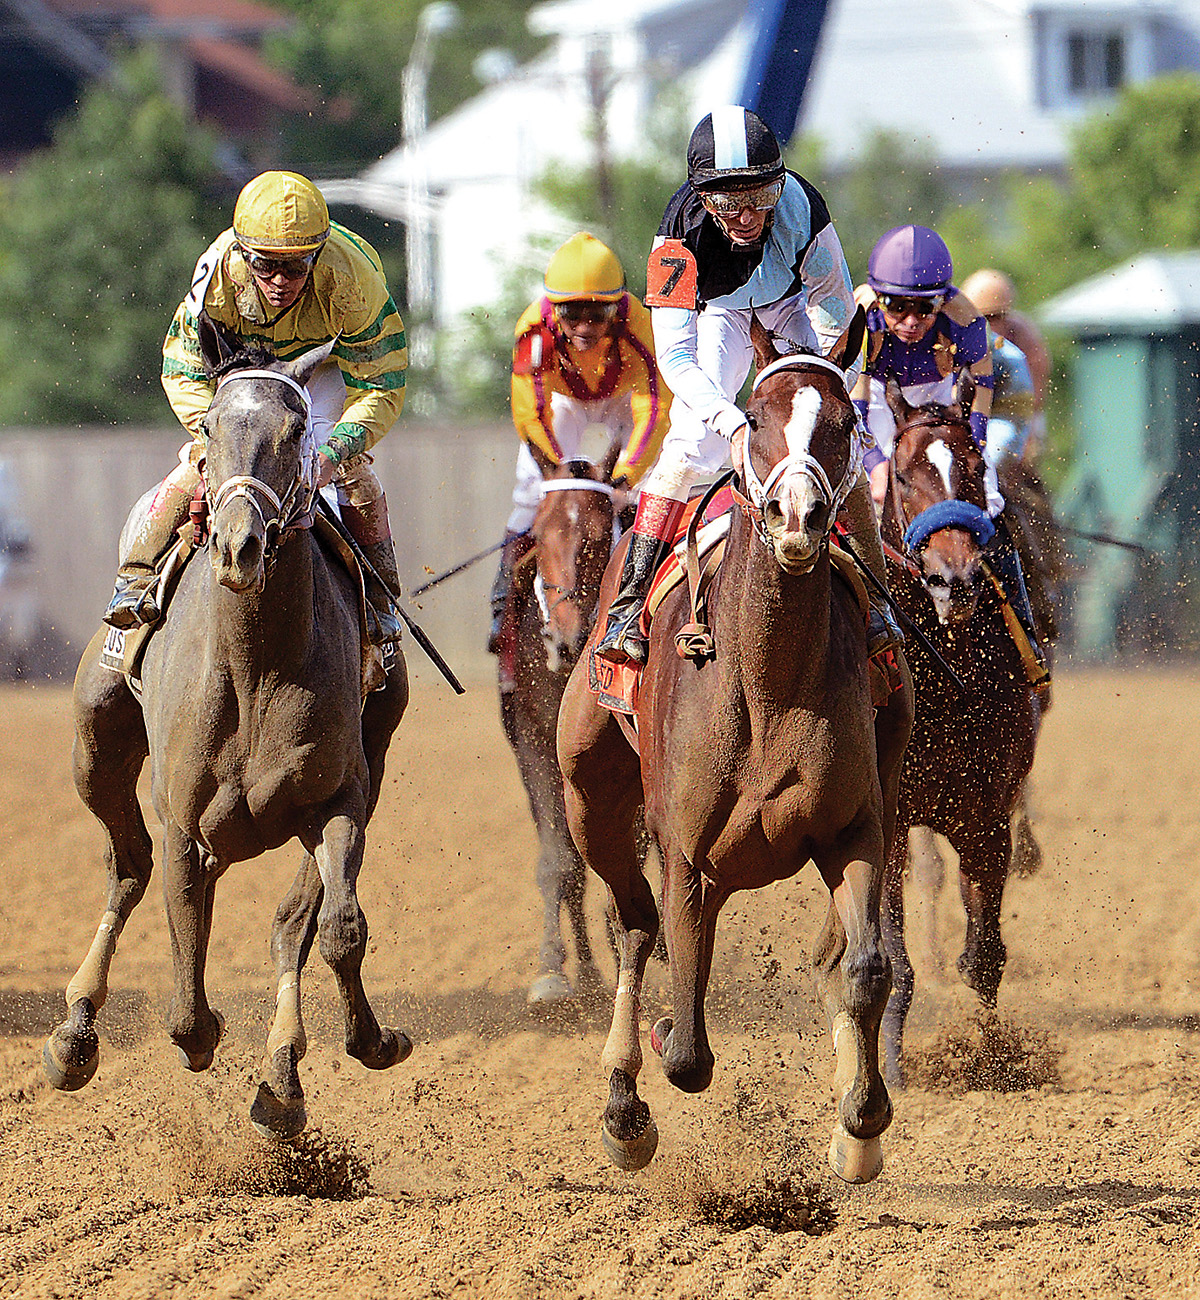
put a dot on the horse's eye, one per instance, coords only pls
(751, 421)
(936, 580)
(901, 479)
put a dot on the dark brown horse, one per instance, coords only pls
(253, 718)
(971, 748)
(752, 763)
(573, 535)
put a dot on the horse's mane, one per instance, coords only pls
(255, 357)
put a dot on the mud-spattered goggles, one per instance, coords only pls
(579, 312)
(728, 203)
(899, 305)
(291, 268)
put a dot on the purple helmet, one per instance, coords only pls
(910, 260)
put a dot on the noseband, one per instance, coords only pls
(569, 593)
(951, 513)
(759, 491)
(296, 503)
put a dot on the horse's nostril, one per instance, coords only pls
(772, 513)
(818, 517)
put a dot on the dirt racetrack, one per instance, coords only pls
(474, 1169)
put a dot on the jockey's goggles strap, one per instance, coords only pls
(576, 485)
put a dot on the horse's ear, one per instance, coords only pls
(897, 402)
(964, 390)
(765, 350)
(217, 342)
(302, 368)
(849, 346)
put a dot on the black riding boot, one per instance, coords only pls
(383, 592)
(1004, 562)
(623, 641)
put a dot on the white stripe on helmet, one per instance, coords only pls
(729, 138)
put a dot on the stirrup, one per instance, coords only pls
(883, 632)
(133, 603)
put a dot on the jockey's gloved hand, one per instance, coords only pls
(326, 468)
(979, 424)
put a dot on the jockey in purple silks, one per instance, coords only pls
(921, 331)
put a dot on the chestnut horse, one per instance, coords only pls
(573, 535)
(252, 714)
(971, 749)
(753, 763)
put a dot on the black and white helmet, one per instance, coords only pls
(732, 149)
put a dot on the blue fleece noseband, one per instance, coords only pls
(949, 514)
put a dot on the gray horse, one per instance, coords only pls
(253, 717)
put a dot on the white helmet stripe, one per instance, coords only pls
(729, 138)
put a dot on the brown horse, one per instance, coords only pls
(252, 715)
(971, 748)
(573, 534)
(752, 763)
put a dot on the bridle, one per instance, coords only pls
(296, 503)
(542, 587)
(951, 513)
(758, 490)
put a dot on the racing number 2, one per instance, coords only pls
(671, 276)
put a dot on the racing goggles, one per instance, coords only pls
(728, 203)
(291, 268)
(899, 306)
(590, 313)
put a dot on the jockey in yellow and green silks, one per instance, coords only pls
(285, 277)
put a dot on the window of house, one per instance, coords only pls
(1095, 62)
(1083, 55)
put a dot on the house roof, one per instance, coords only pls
(1153, 292)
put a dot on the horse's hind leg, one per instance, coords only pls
(854, 974)
(278, 1107)
(342, 935)
(893, 922)
(110, 748)
(190, 882)
(603, 796)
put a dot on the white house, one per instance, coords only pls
(985, 85)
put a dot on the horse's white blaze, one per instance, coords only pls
(806, 406)
(942, 459)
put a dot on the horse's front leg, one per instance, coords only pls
(690, 909)
(854, 974)
(110, 748)
(342, 935)
(278, 1107)
(893, 923)
(189, 885)
(983, 870)
(603, 798)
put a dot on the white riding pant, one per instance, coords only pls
(691, 451)
(572, 419)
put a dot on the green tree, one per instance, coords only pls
(99, 236)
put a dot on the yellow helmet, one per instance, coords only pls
(990, 290)
(282, 213)
(584, 268)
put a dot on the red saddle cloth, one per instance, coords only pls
(616, 685)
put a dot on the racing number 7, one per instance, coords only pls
(671, 276)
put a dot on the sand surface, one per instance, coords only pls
(474, 1169)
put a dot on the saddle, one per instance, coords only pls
(707, 518)
(124, 650)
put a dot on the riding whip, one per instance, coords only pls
(1103, 538)
(458, 568)
(419, 635)
(909, 625)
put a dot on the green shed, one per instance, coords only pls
(1136, 384)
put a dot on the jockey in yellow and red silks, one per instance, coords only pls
(584, 356)
(285, 277)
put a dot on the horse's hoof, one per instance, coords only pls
(394, 1047)
(202, 1060)
(551, 987)
(277, 1118)
(855, 1160)
(65, 1075)
(632, 1154)
(659, 1033)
